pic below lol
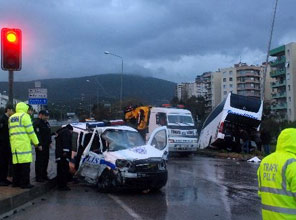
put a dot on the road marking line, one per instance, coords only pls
(126, 208)
(185, 171)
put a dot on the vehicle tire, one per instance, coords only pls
(104, 183)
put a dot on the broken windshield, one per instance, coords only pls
(121, 139)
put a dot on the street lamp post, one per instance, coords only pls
(121, 78)
(90, 101)
(97, 90)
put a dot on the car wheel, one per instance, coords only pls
(104, 183)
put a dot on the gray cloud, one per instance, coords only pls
(171, 39)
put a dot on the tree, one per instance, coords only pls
(196, 105)
(101, 113)
(174, 101)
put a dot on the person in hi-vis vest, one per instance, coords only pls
(277, 179)
(21, 134)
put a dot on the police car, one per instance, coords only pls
(112, 155)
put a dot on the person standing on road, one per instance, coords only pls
(30, 110)
(21, 135)
(265, 138)
(43, 132)
(5, 151)
(228, 138)
(277, 179)
(257, 139)
(246, 141)
(63, 156)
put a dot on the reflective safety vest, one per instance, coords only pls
(277, 186)
(21, 133)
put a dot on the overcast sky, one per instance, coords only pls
(169, 39)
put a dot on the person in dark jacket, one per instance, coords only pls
(43, 132)
(257, 140)
(265, 139)
(63, 155)
(228, 138)
(5, 151)
(246, 141)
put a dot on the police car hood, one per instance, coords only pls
(135, 153)
(287, 141)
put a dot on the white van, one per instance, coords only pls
(235, 112)
(182, 132)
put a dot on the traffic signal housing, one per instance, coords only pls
(11, 49)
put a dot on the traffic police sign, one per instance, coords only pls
(37, 101)
(38, 96)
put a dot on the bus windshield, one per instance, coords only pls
(245, 103)
(180, 119)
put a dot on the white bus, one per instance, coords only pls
(235, 112)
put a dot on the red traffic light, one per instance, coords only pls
(11, 45)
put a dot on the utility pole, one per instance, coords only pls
(267, 55)
(10, 87)
(121, 77)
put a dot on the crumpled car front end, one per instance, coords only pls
(148, 173)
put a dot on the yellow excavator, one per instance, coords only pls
(138, 117)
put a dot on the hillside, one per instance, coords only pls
(104, 88)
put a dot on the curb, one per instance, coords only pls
(14, 202)
(226, 155)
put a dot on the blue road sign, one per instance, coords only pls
(40, 101)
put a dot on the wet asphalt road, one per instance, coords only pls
(198, 188)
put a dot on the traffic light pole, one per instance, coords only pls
(10, 87)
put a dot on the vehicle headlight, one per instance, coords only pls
(171, 140)
(195, 132)
(120, 163)
(162, 165)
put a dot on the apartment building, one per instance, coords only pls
(207, 85)
(212, 82)
(201, 88)
(179, 88)
(185, 90)
(241, 79)
(283, 71)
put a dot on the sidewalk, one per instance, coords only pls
(11, 198)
